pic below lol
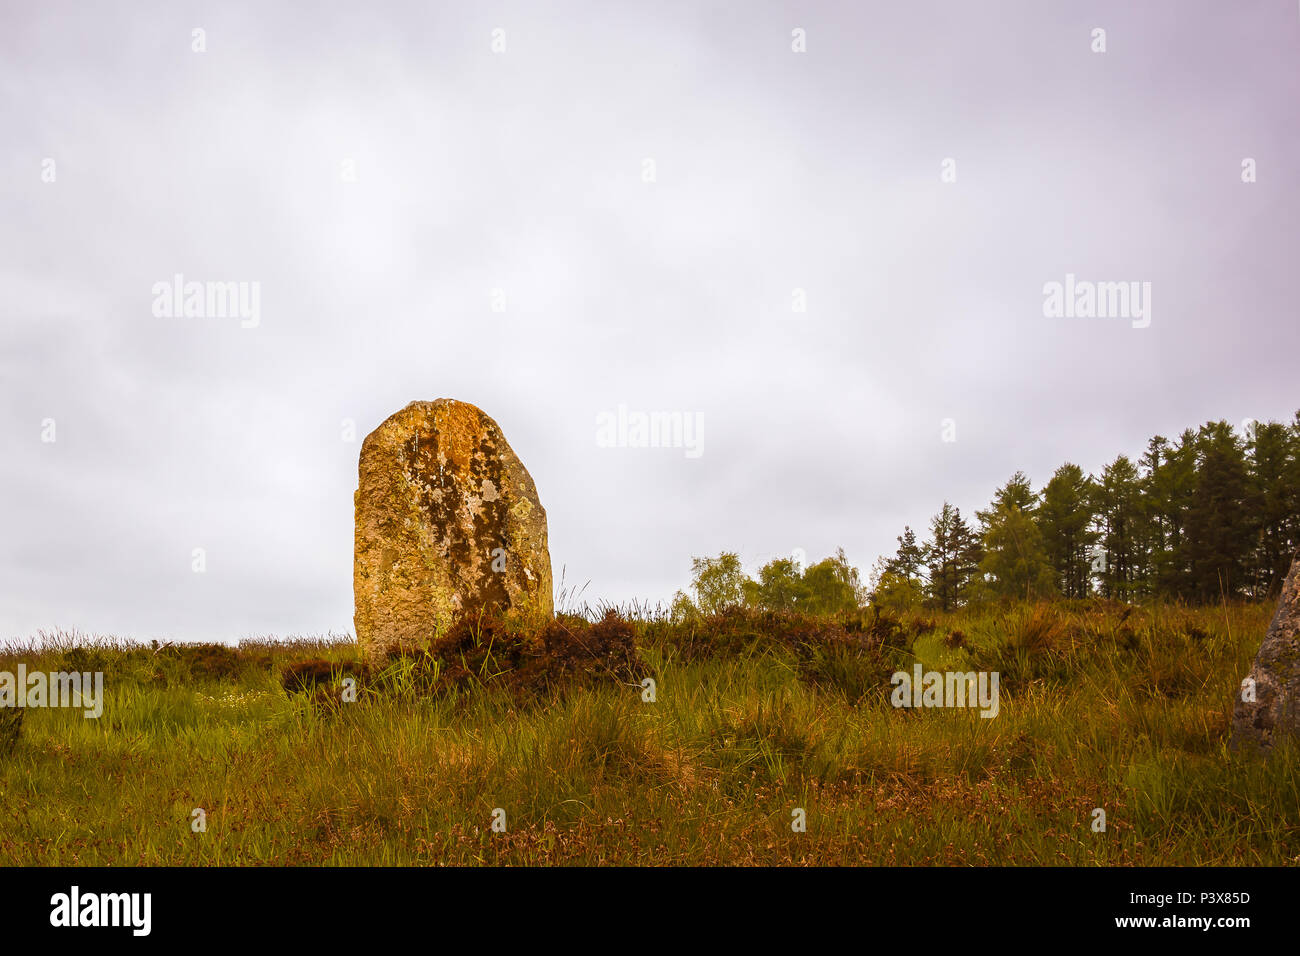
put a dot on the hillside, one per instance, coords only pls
(755, 715)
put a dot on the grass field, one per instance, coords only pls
(1102, 706)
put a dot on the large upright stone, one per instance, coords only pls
(447, 521)
(1274, 679)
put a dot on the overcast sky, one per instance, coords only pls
(668, 286)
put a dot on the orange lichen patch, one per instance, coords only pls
(457, 429)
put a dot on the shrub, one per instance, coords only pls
(11, 725)
(486, 649)
(211, 662)
(308, 675)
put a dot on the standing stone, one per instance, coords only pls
(447, 521)
(1275, 674)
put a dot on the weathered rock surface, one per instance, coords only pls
(447, 522)
(1274, 679)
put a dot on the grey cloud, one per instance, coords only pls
(522, 171)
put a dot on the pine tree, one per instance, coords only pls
(1167, 491)
(969, 552)
(909, 562)
(1153, 508)
(1272, 466)
(1065, 520)
(1220, 525)
(1118, 521)
(953, 557)
(1014, 561)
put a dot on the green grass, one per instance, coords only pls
(1101, 706)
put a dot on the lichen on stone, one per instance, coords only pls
(439, 492)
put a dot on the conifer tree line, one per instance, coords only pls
(1212, 515)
